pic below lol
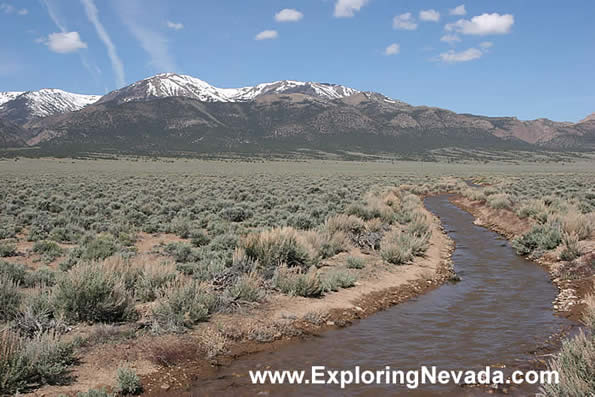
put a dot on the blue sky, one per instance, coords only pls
(521, 58)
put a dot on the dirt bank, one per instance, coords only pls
(170, 363)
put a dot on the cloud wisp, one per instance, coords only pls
(175, 25)
(288, 15)
(458, 10)
(404, 21)
(137, 16)
(117, 65)
(453, 56)
(267, 35)
(348, 8)
(450, 38)
(392, 49)
(484, 24)
(429, 15)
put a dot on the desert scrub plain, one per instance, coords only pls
(112, 269)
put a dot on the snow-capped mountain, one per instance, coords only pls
(42, 103)
(6, 96)
(172, 84)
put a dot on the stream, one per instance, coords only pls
(497, 314)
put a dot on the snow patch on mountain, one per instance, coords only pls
(50, 101)
(172, 85)
(6, 96)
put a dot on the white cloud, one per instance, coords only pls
(450, 38)
(347, 8)
(65, 42)
(288, 15)
(459, 10)
(483, 24)
(462, 56)
(175, 26)
(404, 22)
(392, 49)
(429, 15)
(23, 11)
(141, 19)
(93, 16)
(486, 44)
(267, 35)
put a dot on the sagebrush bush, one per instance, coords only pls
(349, 224)
(296, 283)
(10, 297)
(182, 305)
(89, 293)
(580, 225)
(7, 249)
(49, 250)
(500, 201)
(247, 288)
(570, 250)
(541, 237)
(128, 382)
(399, 247)
(276, 246)
(355, 262)
(41, 360)
(336, 279)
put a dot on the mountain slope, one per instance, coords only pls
(10, 135)
(43, 103)
(175, 85)
(364, 122)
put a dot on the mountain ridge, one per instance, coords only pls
(171, 112)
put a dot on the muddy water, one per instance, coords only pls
(497, 314)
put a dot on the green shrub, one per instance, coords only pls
(356, 262)
(36, 314)
(539, 238)
(15, 271)
(128, 382)
(90, 293)
(98, 248)
(500, 201)
(273, 247)
(7, 249)
(571, 250)
(399, 248)
(247, 288)
(182, 305)
(25, 362)
(181, 252)
(199, 238)
(49, 250)
(10, 297)
(292, 282)
(336, 279)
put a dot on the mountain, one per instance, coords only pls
(172, 113)
(365, 122)
(10, 135)
(176, 85)
(46, 102)
(6, 96)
